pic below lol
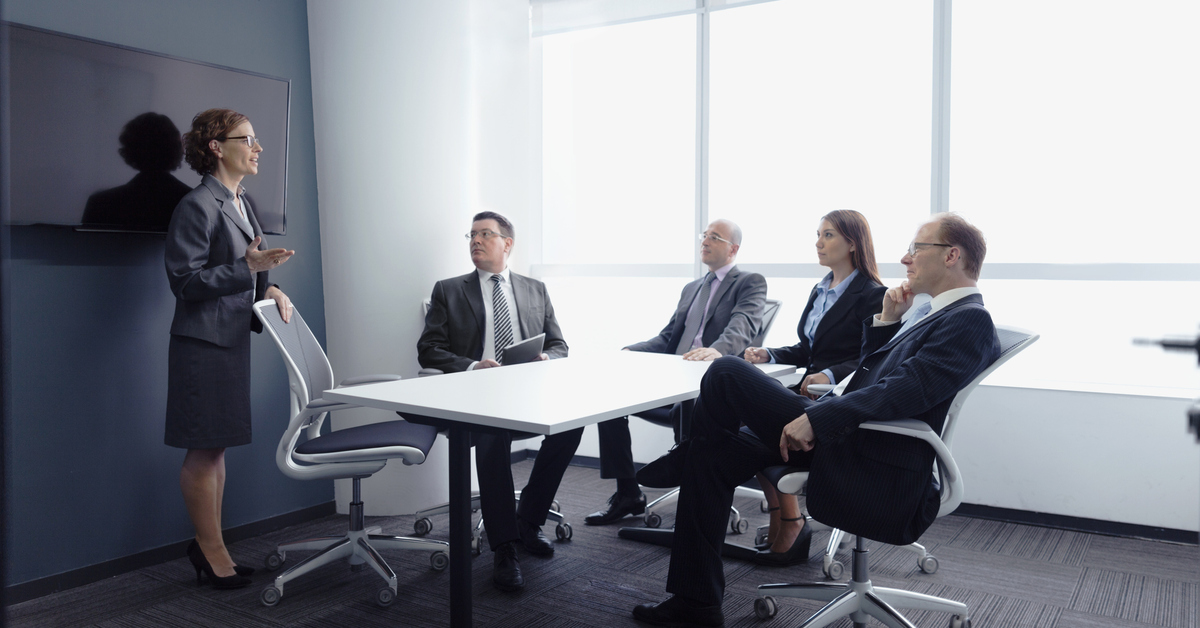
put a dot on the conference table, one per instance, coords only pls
(545, 397)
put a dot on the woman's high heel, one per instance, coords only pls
(200, 563)
(238, 569)
(797, 553)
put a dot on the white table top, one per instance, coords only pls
(547, 397)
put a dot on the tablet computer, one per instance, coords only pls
(525, 351)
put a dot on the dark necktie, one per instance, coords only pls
(695, 317)
(502, 325)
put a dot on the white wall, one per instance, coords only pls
(421, 119)
(1102, 456)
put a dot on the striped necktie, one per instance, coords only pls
(695, 318)
(502, 324)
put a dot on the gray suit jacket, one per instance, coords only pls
(454, 326)
(734, 319)
(206, 266)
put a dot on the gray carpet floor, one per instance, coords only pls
(1008, 575)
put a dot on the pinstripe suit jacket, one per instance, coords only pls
(881, 485)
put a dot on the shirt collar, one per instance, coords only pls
(723, 271)
(950, 296)
(485, 276)
(841, 287)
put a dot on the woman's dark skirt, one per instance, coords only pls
(208, 394)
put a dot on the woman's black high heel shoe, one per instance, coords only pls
(765, 543)
(238, 569)
(196, 555)
(797, 553)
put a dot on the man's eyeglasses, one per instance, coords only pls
(912, 246)
(250, 140)
(486, 234)
(714, 237)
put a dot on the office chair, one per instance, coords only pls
(662, 416)
(858, 598)
(354, 453)
(424, 525)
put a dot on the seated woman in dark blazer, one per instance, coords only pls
(830, 338)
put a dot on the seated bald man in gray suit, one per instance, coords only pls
(471, 320)
(709, 322)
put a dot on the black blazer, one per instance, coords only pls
(205, 256)
(838, 340)
(881, 485)
(733, 321)
(454, 325)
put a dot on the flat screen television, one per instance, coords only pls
(91, 143)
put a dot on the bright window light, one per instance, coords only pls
(819, 106)
(1074, 129)
(618, 148)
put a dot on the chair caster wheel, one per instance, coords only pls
(555, 506)
(928, 564)
(422, 526)
(760, 537)
(835, 570)
(439, 560)
(385, 596)
(739, 525)
(653, 520)
(273, 561)
(270, 596)
(958, 621)
(563, 531)
(476, 546)
(764, 607)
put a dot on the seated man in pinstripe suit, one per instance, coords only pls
(879, 483)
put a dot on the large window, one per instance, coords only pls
(808, 116)
(1073, 134)
(1065, 129)
(619, 143)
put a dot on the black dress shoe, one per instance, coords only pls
(667, 471)
(796, 554)
(506, 570)
(618, 506)
(678, 612)
(532, 538)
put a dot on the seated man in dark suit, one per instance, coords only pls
(471, 320)
(876, 482)
(718, 314)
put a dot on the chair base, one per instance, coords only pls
(359, 546)
(859, 600)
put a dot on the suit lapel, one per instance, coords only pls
(222, 194)
(726, 283)
(474, 295)
(841, 307)
(522, 295)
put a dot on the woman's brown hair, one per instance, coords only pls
(853, 226)
(208, 125)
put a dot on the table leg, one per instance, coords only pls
(460, 527)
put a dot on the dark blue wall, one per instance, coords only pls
(89, 479)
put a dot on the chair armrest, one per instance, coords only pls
(819, 389)
(368, 379)
(951, 479)
(428, 372)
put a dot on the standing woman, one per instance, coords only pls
(830, 338)
(216, 270)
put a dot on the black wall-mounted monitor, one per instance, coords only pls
(92, 128)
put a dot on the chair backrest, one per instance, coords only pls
(308, 368)
(1013, 340)
(770, 310)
